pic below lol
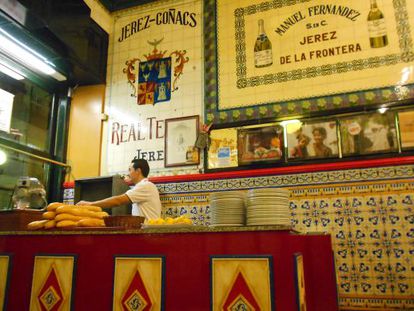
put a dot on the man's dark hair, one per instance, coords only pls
(141, 164)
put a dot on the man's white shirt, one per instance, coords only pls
(145, 200)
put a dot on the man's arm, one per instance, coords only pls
(108, 202)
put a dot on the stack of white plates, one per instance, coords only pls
(227, 208)
(267, 206)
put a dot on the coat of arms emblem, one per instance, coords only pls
(157, 76)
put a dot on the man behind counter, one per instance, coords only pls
(144, 196)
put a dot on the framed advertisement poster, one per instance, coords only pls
(366, 134)
(180, 137)
(260, 144)
(313, 140)
(222, 151)
(406, 121)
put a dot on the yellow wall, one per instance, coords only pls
(85, 132)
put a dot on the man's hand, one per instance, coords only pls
(84, 203)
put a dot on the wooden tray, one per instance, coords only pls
(16, 220)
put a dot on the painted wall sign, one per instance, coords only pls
(170, 16)
(154, 73)
(275, 51)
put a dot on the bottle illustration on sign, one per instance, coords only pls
(377, 27)
(262, 48)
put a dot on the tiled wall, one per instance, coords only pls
(369, 214)
(288, 107)
(157, 37)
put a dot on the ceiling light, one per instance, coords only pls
(13, 73)
(3, 157)
(25, 55)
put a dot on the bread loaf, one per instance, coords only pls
(50, 224)
(91, 208)
(66, 224)
(78, 211)
(53, 206)
(91, 222)
(38, 224)
(67, 216)
(49, 215)
(87, 207)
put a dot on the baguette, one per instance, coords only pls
(78, 211)
(87, 207)
(38, 224)
(49, 215)
(101, 215)
(91, 222)
(53, 206)
(50, 224)
(67, 216)
(66, 224)
(91, 208)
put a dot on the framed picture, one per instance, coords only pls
(312, 140)
(222, 151)
(406, 121)
(371, 133)
(260, 144)
(180, 137)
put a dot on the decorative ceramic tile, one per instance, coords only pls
(308, 179)
(369, 214)
(219, 72)
(370, 219)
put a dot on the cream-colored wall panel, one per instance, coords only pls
(156, 71)
(314, 43)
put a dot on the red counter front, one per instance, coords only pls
(187, 265)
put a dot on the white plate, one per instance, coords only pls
(269, 190)
(267, 200)
(220, 195)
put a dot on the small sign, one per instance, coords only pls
(223, 156)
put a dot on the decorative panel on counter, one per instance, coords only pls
(185, 285)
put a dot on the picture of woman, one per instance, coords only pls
(313, 140)
(318, 148)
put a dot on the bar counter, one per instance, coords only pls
(187, 251)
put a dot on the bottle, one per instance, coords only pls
(262, 48)
(376, 27)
